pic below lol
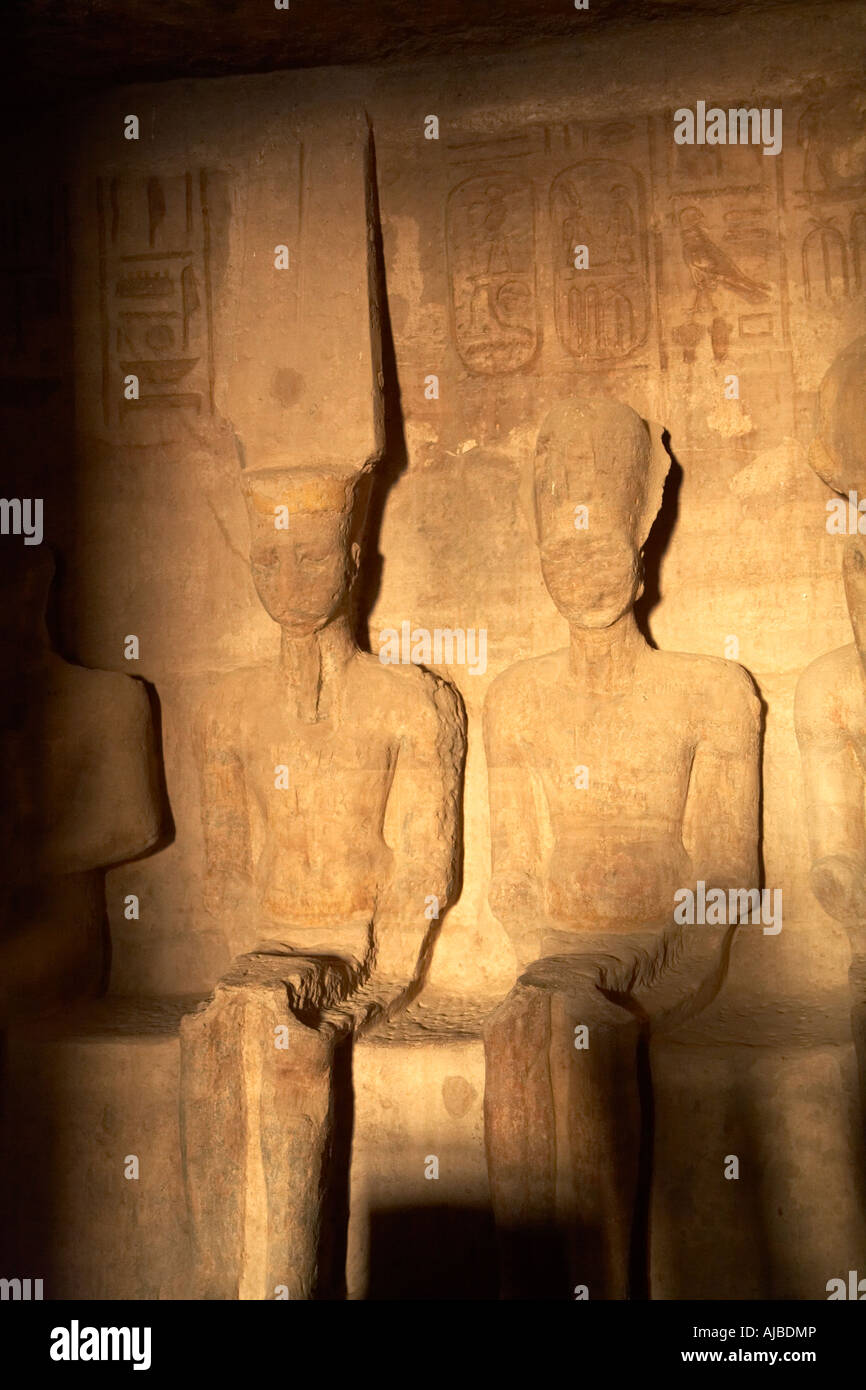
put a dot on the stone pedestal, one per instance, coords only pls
(88, 1092)
(85, 1093)
(264, 1113)
(776, 1087)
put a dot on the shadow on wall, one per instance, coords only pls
(395, 457)
(657, 543)
(433, 1252)
(83, 786)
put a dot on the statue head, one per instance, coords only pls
(838, 455)
(599, 476)
(838, 450)
(305, 532)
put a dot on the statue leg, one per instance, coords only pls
(563, 1124)
(258, 1121)
(857, 982)
(212, 1125)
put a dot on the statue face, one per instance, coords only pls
(587, 495)
(592, 576)
(303, 575)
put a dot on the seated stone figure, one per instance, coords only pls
(330, 802)
(82, 792)
(830, 705)
(618, 775)
(830, 702)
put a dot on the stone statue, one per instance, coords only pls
(830, 702)
(82, 792)
(618, 775)
(331, 791)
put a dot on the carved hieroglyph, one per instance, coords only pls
(330, 802)
(155, 292)
(829, 199)
(82, 792)
(491, 251)
(618, 775)
(602, 313)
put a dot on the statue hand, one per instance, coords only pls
(517, 902)
(396, 955)
(839, 883)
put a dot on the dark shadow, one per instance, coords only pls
(388, 469)
(639, 1247)
(54, 935)
(30, 1167)
(536, 1261)
(394, 456)
(762, 726)
(163, 802)
(747, 1123)
(857, 987)
(657, 543)
(335, 1207)
(432, 1252)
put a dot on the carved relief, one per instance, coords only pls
(491, 258)
(602, 312)
(825, 262)
(710, 267)
(511, 311)
(722, 258)
(155, 292)
(831, 132)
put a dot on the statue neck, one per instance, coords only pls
(312, 665)
(604, 660)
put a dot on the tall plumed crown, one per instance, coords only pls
(299, 394)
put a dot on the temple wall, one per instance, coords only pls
(747, 564)
(567, 143)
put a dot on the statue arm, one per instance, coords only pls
(114, 813)
(424, 822)
(720, 826)
(224, 814)
(516, 896)
(833, 783)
